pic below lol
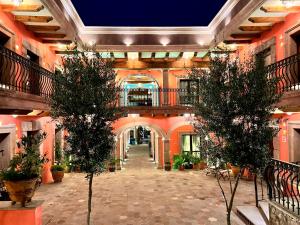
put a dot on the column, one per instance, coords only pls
(166, 150)
(165, 86)
(160, 153)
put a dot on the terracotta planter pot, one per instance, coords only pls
(202, 165)
(57, 176)
(181, 167)
(235, 170)
(21, 191)
(196, 166)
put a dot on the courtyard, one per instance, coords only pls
(140, 194)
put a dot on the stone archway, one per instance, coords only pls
(158, 139)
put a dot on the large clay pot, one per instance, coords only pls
(235, 170)
(21, 191)
(202, 165)
(181, 168)
(57, 176)
(196, 166)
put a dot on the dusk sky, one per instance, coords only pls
(148, 13)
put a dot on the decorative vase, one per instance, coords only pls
(57, 176)
(21, 191)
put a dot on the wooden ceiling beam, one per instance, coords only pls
(245, 35)
(21, 8)
(269, 19)
(255, 28)
(37, 19)
(278, 9)
(37, 28)
(47, 41)
(228, 42)
(50, 35)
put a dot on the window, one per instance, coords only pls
(189, 92)
(190, 143)
(3, 39)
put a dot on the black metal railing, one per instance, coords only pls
(288, 73)
(157, 97)
(20, 74)
(283, 181)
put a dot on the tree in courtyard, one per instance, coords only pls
(232, 115)
(84, 102)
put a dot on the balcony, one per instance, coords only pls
(157, 101)
(24, 85)
(288, 72)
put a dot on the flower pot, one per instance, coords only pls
(167, 166)
(181, 168)
(235, 170)
(112, 169)
(202, 165)
(57, 176)
(21, 191)
(196, 166)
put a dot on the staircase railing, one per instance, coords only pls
(20, 74)
(283, 181)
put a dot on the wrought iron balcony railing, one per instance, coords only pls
(20, 74)
(157, 97)
(288, 72)
(283, 181)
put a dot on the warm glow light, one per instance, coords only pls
(128, 41)
(17, 47)
(61, 46)
(0, 123)
(165, 41)
(91, 43)
(17, 2)
(133, 115)
(201, 42)
(133, 55)
(289, 113)
(14, 116)
(188, 55)
(288, 3)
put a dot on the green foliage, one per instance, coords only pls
(236, 100)
(178, 160)
(58, 152)
(28, 162)
(84, 101)
(196, 160)
(57, 168)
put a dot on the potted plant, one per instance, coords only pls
(178, 162)
(167, 166)
(188, 160)
(112, 165)
(196, 162)
(58, 172)
(202, 164)
(235, 170)
(22, 177)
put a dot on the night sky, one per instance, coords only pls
(147, 12)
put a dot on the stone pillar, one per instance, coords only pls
(118, 152)
(160, 153)
(165, 85)
(166, 151)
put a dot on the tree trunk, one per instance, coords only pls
(91, 176)
(256, 192)
(229, 208)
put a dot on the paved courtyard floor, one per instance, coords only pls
(141, 195)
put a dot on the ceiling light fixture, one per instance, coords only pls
(17, 2)
(128, 42)
(165, 41)
(288, 3)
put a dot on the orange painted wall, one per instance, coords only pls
(175, 139)
(48, 145)
(277, 31)
(174, 75)
(22, 34)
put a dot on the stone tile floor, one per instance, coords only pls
(141, 195)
